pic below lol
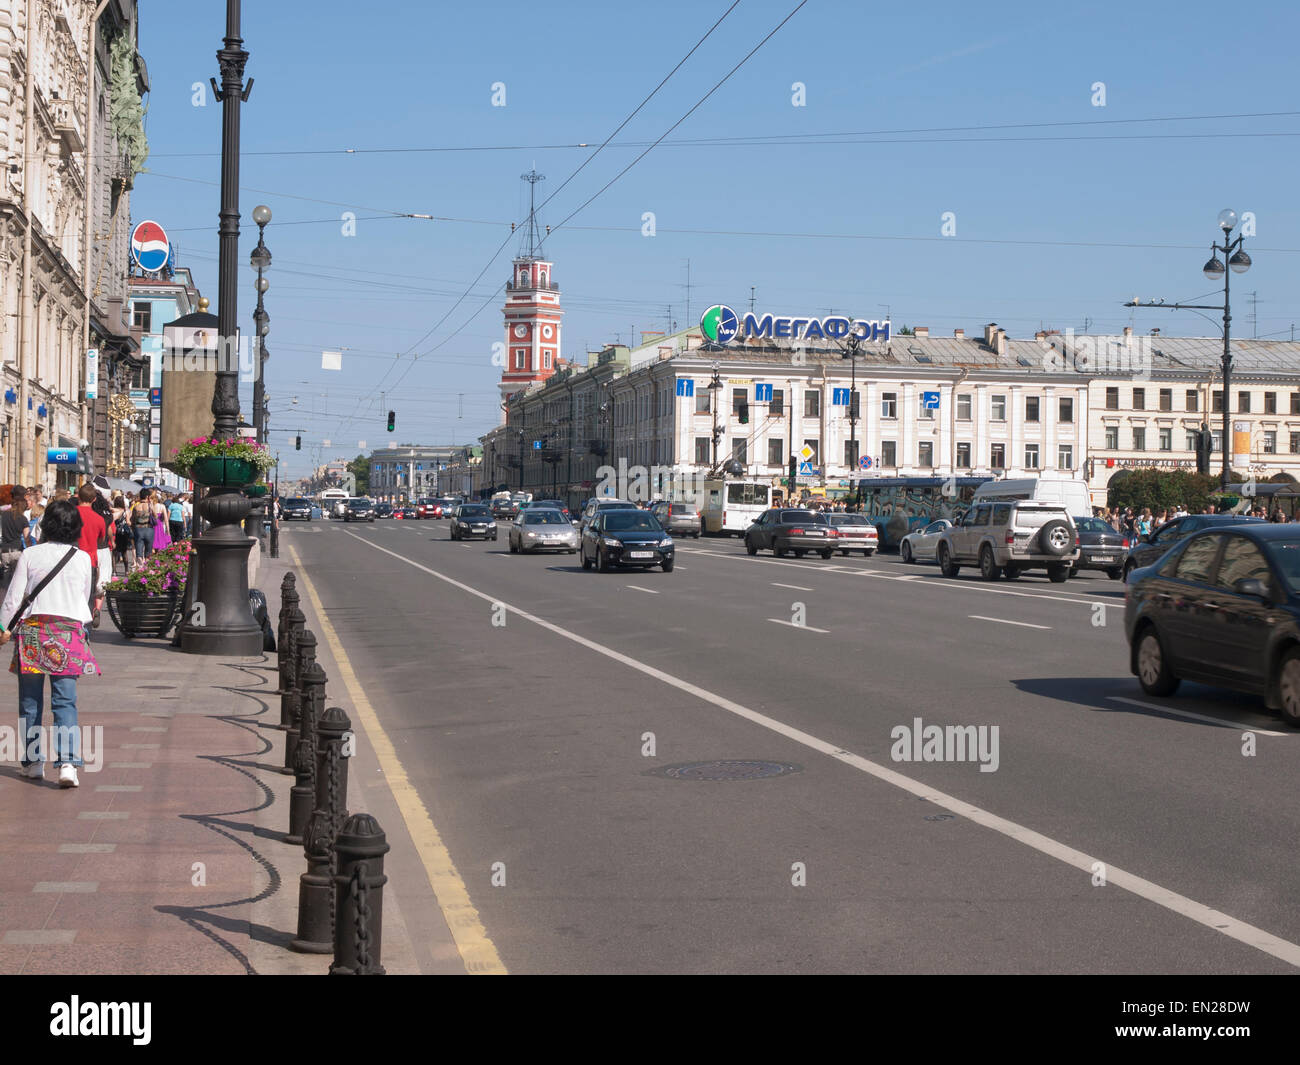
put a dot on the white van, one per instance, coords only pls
(1069, 492)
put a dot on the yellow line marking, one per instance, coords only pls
(476, 950)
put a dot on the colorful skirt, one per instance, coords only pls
(52, 645)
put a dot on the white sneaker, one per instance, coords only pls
(68, 776)
(35, 771)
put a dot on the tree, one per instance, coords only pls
(359, 467)
(1167, 489)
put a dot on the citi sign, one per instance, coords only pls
(720, 324)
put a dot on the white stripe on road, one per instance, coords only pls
(1005, 621)
(1195, 911)
(796, 587)
(807, 628)
(1193, 717)
(638, 588)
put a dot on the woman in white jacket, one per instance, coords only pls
(45, 612)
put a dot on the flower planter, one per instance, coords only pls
(137, 614)
(256, 491)
(219, 472)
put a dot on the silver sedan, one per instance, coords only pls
(922, 544)
(543, 529)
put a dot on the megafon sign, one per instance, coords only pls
(720, 324)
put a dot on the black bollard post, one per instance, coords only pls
(302, 796)
(332, 745)
(288, 600)
(329, 740)
(359, 881)
(294, 624)
(306, 648)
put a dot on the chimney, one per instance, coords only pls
(1040, 335)
(1000, 342)
(921, 331)
(959, 334)
(1128, 332)
(990, 331)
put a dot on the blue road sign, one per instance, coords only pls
(685, 388)
(155, 397)
(929, 400)
(839, 397)
(806, 469)
(537, 445)
(762, 393)
(864, 463)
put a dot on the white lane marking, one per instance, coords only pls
(807, 628)
(1176, 712)
(1006, 621)
(1195, 911)
(638, 588)
(796, 587)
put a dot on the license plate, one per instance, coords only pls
(641, 554)
(1103, 558)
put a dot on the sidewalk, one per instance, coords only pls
(170, 858)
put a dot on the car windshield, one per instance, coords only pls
(1092, 525)
(848, 519)
(475, 512)
(298, 503)
(631, 521)
(1286, 553)
(616, 506)
(542, 516)
(802, 516)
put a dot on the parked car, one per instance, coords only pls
(784, 531)
(1100, 547)
(1161, 539)
(384, 510)
(681, 519)
(626, 537)
(541, 529)
(1010, 538)
(296, 509)
(473, 521)
(359, 510)
(923, 544)
(856, 533)
(1221, 607)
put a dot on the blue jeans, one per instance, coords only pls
(63, 708)
(143, 540)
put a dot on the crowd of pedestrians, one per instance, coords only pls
(1145, 521)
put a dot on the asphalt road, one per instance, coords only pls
(526, 743)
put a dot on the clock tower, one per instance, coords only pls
(532, 312)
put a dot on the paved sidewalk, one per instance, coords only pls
(170, 858)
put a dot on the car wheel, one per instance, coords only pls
(828, 552)
(906, 552)
(573, 550)
(989, 569)
(586, 562)
(799, 553)
(868, 553)
(1288, 687)
(1058, 574)
(780, 552)
(667, 565)
(1011, 573)
(946, 565)
(695, 535)
(843, 551)
(1153, 666)
(602, 561)
(1115, 574)
(1128, 571)
(494, 537)
(514, 548)
(750, 549)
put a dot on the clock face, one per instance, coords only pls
(521, 330)
(546, 331)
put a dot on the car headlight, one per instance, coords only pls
(609, 541)
(667, 541)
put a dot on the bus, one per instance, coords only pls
(728, 508)
(329, 499)
(898, 505)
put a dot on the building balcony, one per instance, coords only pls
(64, 116)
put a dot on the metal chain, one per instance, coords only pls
(360, 891)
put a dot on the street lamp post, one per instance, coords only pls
(260, 259)
(715, 387)
(851, 353)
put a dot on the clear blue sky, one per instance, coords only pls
(1056, 224)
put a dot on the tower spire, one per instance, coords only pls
(531, 246)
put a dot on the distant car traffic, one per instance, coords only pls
(923, 544)
(856, 533)
(296, 509)
(1100, 547)
(384, 510)
(472, 521)
(540, 528)
(359, 510)
(1222, 607)
(504, 509)
(791, 531)
(1149, 548)
(678, 518)
(427, 508)
(626, 537)
(405, 513)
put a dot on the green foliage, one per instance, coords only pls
(163, 571)
(1167, 489)
(209, 447)
(359, 467)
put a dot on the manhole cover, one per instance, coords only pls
(157, 687)
(940, 817)
(725, 770)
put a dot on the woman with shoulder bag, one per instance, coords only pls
(45, 611)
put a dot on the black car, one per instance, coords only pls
(505, 510)
(626, 538)
(786, 531)
(1221, 608)
(473, 521)
(383, 510)
(296, 509)
(1100, 547)
(359, 510)
(1151, 547)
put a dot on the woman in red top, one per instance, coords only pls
(94, 535)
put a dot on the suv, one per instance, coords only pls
(680, 518)
(1011, 537)
(297, 507)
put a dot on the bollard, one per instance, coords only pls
(292, 627)
(302, 796)
(330, 742)
(293, 631)
(288, 601)
(359, 881)
(306, 648)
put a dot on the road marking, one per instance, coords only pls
(1005, 621)
(638, 588)
(796, 587)
(1186, 907)
(1176, 712)
(809, 628)
(477, 951)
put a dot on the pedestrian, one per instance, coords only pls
(187, 502)
(162, 536)
(143, 521)
(121, 534)
(44, 612)
(13, 528)
(176, 518)
(94, 538)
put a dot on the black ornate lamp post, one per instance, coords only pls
(851, 353)
(260, 260)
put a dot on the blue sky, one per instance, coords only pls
(1056, 225)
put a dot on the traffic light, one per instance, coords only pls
(392, 420)
(297, 443)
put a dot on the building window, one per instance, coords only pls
(1112, 438)
(777, 406)
(1112, 399)
(546, 360)
(999, 408)
(1216, 402)
(1243, 402)
(1065, 409)
(1217, 445)
(702, 450)
(963, 408)
(1270, 443)
(925, 454)
(521, 355)
(1166, 399)
(775, 455)
(702, 397)
(1295, 443)
(1031, 408)
(1139, 438)
(923, 410)
(889, 453)
(1193, 400)
(815, 447)
(963, 456)
(1065, 457)
(1139, 399)
(1031, 456)
(1166, 440)
(851, 454)
(740, 451)
(739, 399)
(998, 456)
(1270, 402)
(812, 404)
(1190, 442)
(1295, 402)
(889, 404)
(142, 317)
